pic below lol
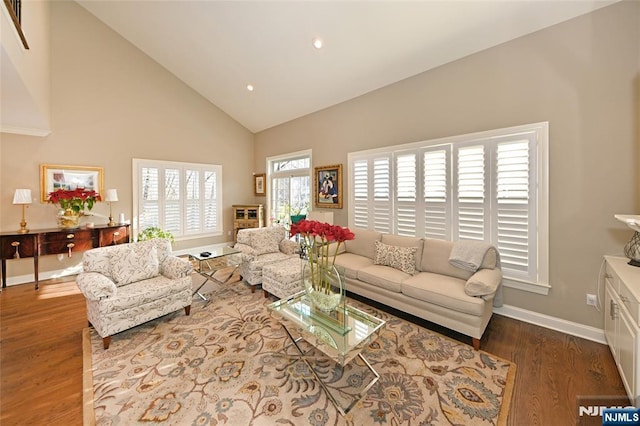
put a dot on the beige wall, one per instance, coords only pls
(578, 75)
(111, 103)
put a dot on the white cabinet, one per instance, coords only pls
(622, 320)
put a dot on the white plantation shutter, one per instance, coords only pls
(437, 204)
(149, 197)
(471, 206)
(406, 194)
(515, 209)
(182, 198)
(172, 202)
(490, 186)
(360, 190)
(210, 202)
(381, 188)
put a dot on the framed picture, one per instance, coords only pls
(259, 184)
(328, 187)
(54, 177)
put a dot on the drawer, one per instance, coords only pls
(247, 224)
(18, 246)
(67, 242)
(112, 236)
(611, 276)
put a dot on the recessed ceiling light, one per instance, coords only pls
(317, 43)
(250, 87)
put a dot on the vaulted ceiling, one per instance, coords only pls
(220, 47)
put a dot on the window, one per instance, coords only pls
(183, 198)
(290, 183)
(486, 186)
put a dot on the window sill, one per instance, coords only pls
(537, 288)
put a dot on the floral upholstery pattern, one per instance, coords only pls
(283, 279)
(116, 300)
(261, 247)
(400, 258)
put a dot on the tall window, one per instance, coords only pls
(183, 198)
(489, 186)
(290, 183)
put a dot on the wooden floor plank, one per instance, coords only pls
(41, 361)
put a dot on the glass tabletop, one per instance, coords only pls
(340, 334)
(214, 252)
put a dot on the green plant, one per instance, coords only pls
(154, 232)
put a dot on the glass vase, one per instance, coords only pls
(324, 284)
(69, 219)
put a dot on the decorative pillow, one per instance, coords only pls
(135, 262)
(401, 258)
(267, 240)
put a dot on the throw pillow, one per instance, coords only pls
(401, 258)
(134, 262)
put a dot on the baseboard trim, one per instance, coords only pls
(568, 327)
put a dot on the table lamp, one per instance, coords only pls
(22, 197)
(110, 197)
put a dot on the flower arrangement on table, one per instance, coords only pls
(316, 245)
(72, 204)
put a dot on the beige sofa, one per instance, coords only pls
(415, 275)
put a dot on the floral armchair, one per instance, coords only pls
(263, 246)
(129, 284)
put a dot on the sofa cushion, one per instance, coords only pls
(402, 241)
(352, 263)
(383, 277)
(134, 296)
(400, 258)
(435, 258)
(267, 240)
(445, 291)
(364, 243)
(134, 262)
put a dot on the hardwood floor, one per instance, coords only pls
(41, 361)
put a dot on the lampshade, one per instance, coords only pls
(111, 195)
(22, 196)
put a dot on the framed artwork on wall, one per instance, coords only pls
(259, 184)
(54, 177)
(328, 187)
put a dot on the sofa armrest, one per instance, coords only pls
(175, 267)
(484, 282)
(248, 253)
(289, 247)
(95, 286)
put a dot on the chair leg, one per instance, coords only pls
(253, 289)
(266, 293)
(106, 341)
(476, 343)
(187, 310)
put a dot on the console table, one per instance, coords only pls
(40, 242)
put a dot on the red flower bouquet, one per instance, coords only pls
(74, 199)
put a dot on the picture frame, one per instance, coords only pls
(260, 184)
(328, 187)
(55, 176)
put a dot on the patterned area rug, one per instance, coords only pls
(226, 364)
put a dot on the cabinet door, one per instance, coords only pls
(113, 236)
(17, 246)
(611, 310)
(626, 340)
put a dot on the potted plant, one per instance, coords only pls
(152, 232)
(298, 211)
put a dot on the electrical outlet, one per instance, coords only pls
(591, 299)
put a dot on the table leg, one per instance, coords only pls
(343, 411)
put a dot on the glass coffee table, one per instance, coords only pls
(340, 335)
(212, 260)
